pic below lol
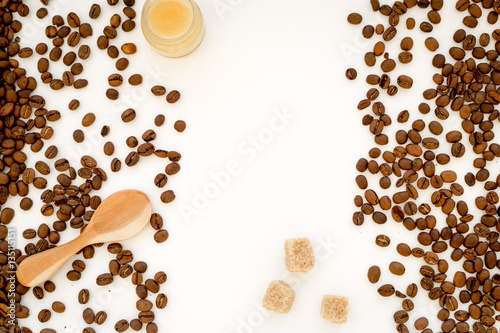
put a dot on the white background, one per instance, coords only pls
(258, 58)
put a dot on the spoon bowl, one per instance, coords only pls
(120, 216)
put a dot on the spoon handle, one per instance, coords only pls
(39, 267)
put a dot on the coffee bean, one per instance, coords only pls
(88, 316)
(136, 324)
(383, 240)
(112, 94)
(104, 279)
(105, 130)
(374, 274)
(173, 96)
(180, 126)
(128, 25)
(405, 81)
(102, 42)
(78, 136)
(135, 80)
(351, 74)
(401, 317)
(115, 80)
(129, 48)
(158, 90)
(80, 83)
(85, 30)
(95, 11)
(44, 315)
(100, 317)
(167, 196)
(161, 236)
(161, 301)
(172, 168)
(121, 326)
(58, 307)
(397, 268)
(128, 115)
(386, 290)
(354, 18)
(129, 12)
(122, 64)
(116, 165)
(132, 159)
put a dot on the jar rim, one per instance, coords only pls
(145, 23)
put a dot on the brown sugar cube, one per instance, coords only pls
(299, 255)
(279, 297)
(335, 308)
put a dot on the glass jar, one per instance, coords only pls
(174, 28)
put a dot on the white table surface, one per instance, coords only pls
(264, 97)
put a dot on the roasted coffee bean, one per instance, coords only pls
(386, 290)
(374, 274)
(83, 296)
(173, 96)
(100, 317)
(128, 115)
(122, 64)
(115, 80)
(58, 307)
(112, 94)
(397, 268)
(44, 315)
(121, 326)
(354, 18)
(180, 126)
(351, 74)
(161, 236)
(129, 48)
(383, 240)
(88, 316)
(167, 196)
(104, 279)
(135, 80)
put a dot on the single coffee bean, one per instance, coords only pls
(161, 236)
(78, 136)
(354, 18)
(167, 196)
(128, 115)
(135, 80)
(95, 11)
(161, 301)
(121, 326)
(112, 94)
(386, 290)
(122, 64)
(173, 96)
(397, 268)
(351, 74)
(58, 307)
(88, 316)
(383, 240)
(129, 48)
(158, 90)
(104, 279)
(100, 317)
(180, 126)
(44, 315)
(374, 274)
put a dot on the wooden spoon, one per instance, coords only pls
(120, 216)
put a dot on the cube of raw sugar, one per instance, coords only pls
(335, 308)
(279, 297)
(299, 255)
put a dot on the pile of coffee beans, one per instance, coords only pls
(24, 121)
(415, 169)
